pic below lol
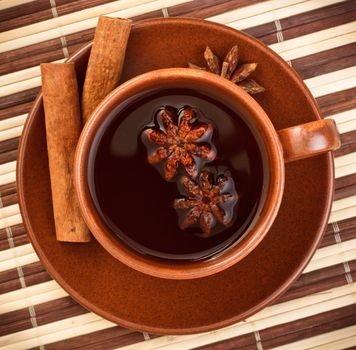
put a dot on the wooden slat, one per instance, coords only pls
(345, 181)
(348, 144)
(9, 200)
(346, 191)
(332, 255)
(52, 50)
(41, 10)
(32, 274)
(29, 56)
(18, 98)
(15, 261)
(110, 338)
(303, 23)
(339, 232)
(88, 14)
(10, 134)
(21, 108)
(326, 61)
(320, 19)
(319, 281)
(337, 102)
(30, 296)
(325, 341)
(19, 9)
(242, 342)
(20, 319)
(266, 12)
(312, 43)
(207, 8)
(16, 241)
(309, 327)
(7, 189)
(13, 233)
(5, 4)
(8, 156)
(12, 123)
(71, 23)
(293, 331)
(82, 324)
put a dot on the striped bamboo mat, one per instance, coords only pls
(318, 38)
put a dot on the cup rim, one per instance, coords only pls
(183, 270)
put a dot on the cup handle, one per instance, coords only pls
(309, 139)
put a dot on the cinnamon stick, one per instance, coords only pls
(105, 62)
(63, 126)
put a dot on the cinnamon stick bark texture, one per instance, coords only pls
(63, 126)
(105, 62)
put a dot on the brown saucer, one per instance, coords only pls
(135, 300)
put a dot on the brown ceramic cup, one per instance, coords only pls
(277, 148)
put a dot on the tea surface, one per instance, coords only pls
(136, 202)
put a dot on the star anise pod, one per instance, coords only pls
(179, 139)
(210, 200)
(230, 69)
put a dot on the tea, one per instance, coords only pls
(144, 206)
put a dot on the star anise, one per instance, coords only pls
(179, 139)
(210, 200)
(230, 70)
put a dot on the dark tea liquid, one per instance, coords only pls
(133, 199)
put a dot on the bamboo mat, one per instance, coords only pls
(318, 38)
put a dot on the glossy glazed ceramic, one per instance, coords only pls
(135, 300)
(298, 142)
(309, 139)
(225, 92)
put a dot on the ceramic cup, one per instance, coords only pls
(277, 148)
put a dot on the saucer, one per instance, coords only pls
(134, 300)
